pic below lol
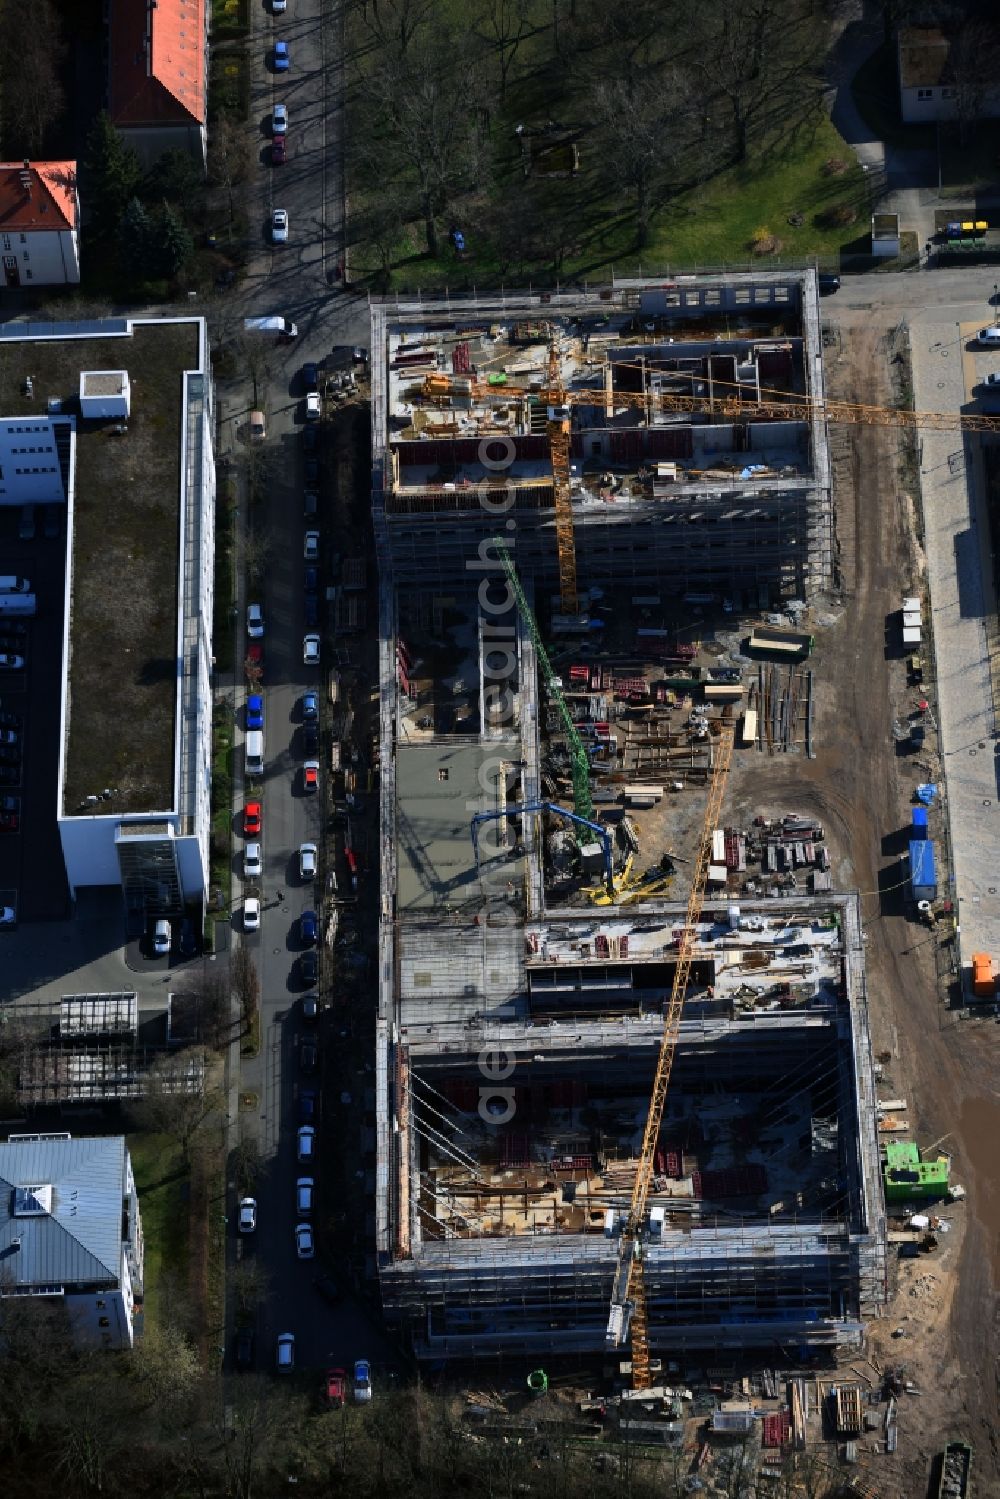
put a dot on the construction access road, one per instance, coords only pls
(909, 521)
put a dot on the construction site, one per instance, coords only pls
(626, 1092)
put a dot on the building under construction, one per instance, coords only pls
(526, 961)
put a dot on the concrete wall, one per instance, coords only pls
(45, 257)
(29, 464)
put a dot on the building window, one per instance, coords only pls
(949, 93)
(103, 1321)
(26, 256)
(6, 241)
(100, 1304)
(925, 93)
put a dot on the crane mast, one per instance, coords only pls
(628, 1297)
(583, 804)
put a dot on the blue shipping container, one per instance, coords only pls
(923, 875)
(920, 822)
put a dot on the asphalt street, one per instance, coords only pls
(298, 280)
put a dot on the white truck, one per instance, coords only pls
(283, 326)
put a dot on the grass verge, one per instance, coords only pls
(163, 1186)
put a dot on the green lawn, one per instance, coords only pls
(708, 226)
(162, 1184)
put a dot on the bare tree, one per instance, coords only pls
(395, 23)
(257, 549)
(641, 125)
(424, 111)
(228, 160)
(246, 984)
(33, 97)
(381, 225)
(760, 59)
(504, 25)
(249, 1283)
(183, 1091)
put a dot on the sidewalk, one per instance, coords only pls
(962, 597)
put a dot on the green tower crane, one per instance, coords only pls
(582, 801)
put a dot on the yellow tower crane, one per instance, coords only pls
(628, 1317)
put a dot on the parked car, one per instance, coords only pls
(279, 119)
(310, 776)
(310, 1009)
(310, 470)
(307, 1106)
(161, 938)
(314, 406)
(310, 649)
(304, 1247)
(309, 967)
(335, 1388)
(991, 381)
(828, 283)
(328, 1289)
(279, 6)
(9, 736)
(362, 1381)
(310, 439)
(310, 739)
(245, 1348)
(310, 546)
(277, 150)
(308, 929)
(307, 861)
(310, 504)
(310, 703)
(11, 663)
(305, 1143)
(282, 60)
(279, 226)
(988, 337)
(310, 611)
(10, 822)
(188, 943)
(26, 529)
(304, 1188)
(7, 916)
(252, 864)
(251, 820)
(284, 1356)
(307, 1055)
(251, 913)
(310, 377)
(255, 711)
(248, 1215)
(52, 522)
(255, 621)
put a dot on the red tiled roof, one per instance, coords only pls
(157, 62)
(48, 199)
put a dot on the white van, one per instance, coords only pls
(11, 583)
(254, 752)
(306, 1143)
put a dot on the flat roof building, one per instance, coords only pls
(134, 777)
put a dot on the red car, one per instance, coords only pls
(335, 1388)
(277, 150)
(252, 820)
(310, 775)
(9, 822)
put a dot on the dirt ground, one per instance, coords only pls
(940, 1321)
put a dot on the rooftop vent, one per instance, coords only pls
(32, 1202)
